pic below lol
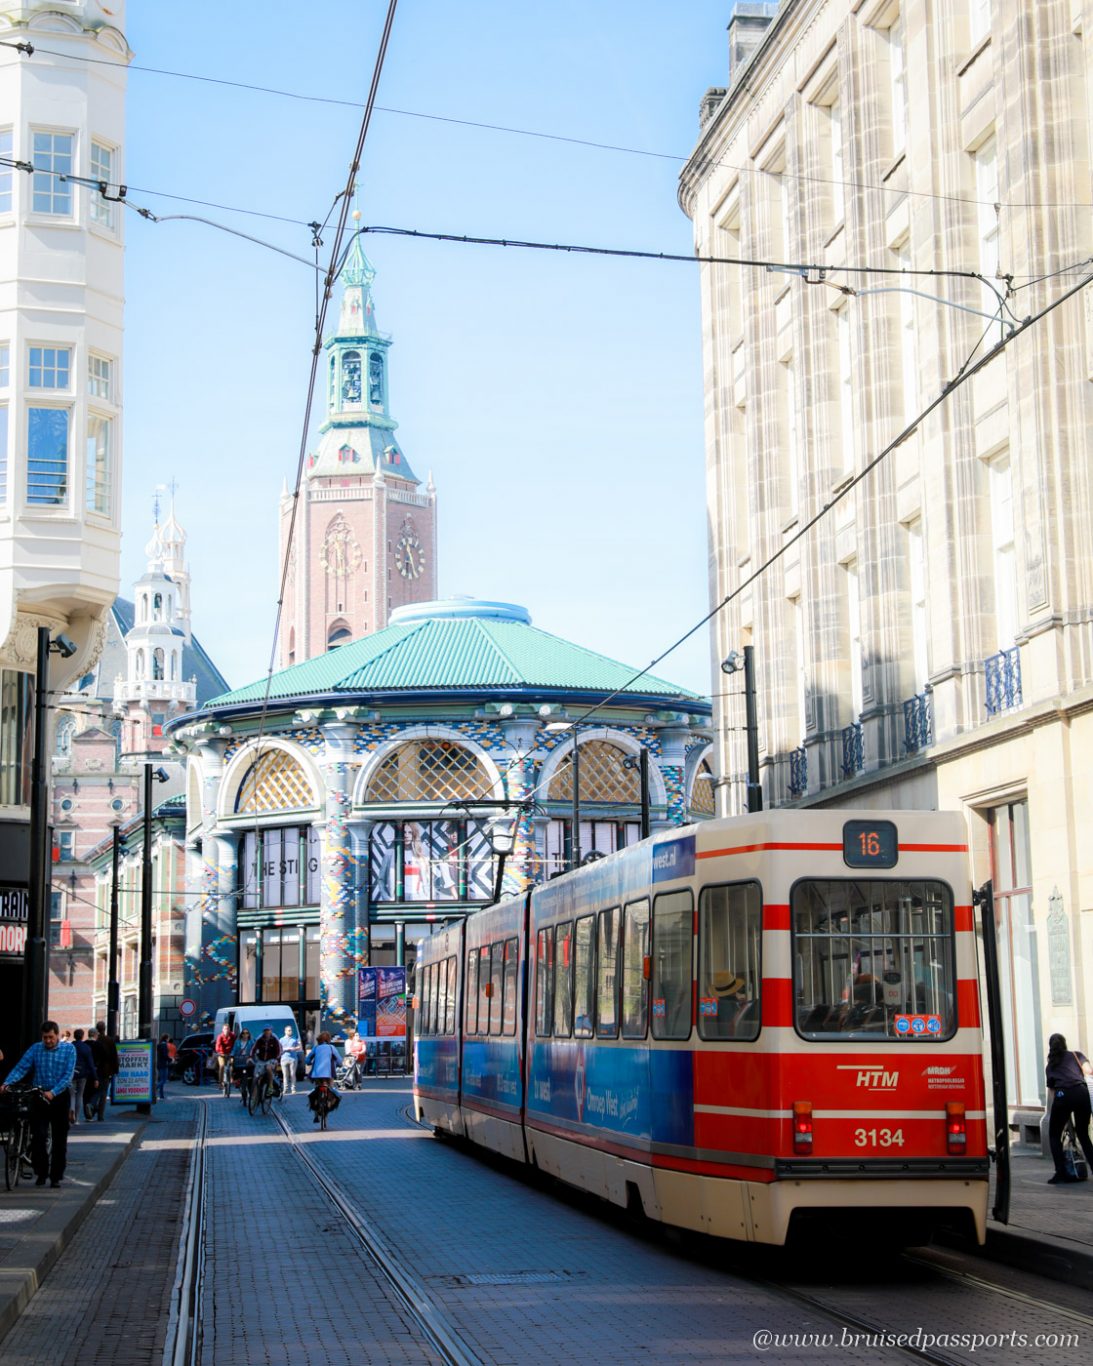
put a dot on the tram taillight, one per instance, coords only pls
(956, 1128)
(802, 1127)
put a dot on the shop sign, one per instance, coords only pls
(381, 1003)
(135, 1081)
(14, 909)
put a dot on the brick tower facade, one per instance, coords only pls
(364, 541)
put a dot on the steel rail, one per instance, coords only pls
(969, 1278)
(412, 1294)
(183, 1340)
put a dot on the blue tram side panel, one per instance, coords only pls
(492, 1063)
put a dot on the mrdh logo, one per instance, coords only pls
(871, 1078)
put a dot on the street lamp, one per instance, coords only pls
(641, 763)
(575, 842)
(36, 952)
(144, 989)
(734, 664)
(502, 838)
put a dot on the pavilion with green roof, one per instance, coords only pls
(372, 787)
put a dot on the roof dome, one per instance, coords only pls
(460, 608)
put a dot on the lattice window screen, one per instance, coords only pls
(702, 799)
(274, 782)
(429, 771)
(603, 778)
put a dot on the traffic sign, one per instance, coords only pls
(186, 1007)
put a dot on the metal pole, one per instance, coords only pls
(400, 943)
(575, 842)
(984, 899)
(145, 982)
(751, 721)
(643, 761)
(36, 952)
(113, 989)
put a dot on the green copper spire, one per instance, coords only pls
(358, 270)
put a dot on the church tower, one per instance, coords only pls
(365, 536)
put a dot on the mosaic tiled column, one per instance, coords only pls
(673, 772)
(214, 972)
(520, 869)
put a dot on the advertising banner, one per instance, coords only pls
(381, 1012)
(135, 1082)
(13, 921)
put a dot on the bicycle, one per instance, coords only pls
(325, 1100)
(264, 1090)
(16, 1139)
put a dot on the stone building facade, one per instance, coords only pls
(363, 803)
(929, 641)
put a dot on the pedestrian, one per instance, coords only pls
(85, 1075)
(1066, 1073)
(224, 1048)
(91, 1091)
(290, 1056)
(51, 1064)
(163, 1064)
(323, 1060)
(109, 1070)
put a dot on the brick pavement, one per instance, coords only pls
(292, 1284)
(105, 1301)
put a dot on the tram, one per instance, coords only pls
(742, 1027)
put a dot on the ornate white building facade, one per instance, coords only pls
(929, 643)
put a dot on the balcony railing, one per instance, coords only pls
(918, 722)
(798, 772)
(853, 750)
(1003, 673)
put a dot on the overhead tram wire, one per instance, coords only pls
(514, 131)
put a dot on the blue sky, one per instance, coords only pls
(556, 399)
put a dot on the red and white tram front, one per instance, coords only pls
(851, 1082)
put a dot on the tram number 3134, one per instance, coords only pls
(878, 1138)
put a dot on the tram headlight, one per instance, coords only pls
(956, 1129)
(802, 1127)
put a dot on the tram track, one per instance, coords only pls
(182, 1344)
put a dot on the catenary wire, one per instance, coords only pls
(539, 134)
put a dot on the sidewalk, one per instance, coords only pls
(37, 1223)
(1050, 1228)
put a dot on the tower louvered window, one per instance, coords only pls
(274, 782)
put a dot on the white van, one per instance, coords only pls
(256, 1018)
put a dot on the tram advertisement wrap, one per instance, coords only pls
(13, 922)
(381, 1003)
(135, 1081)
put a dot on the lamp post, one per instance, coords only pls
(144, 989)
(113, 989)
(641, 763)
(502, 838)
(36, 952)
(733, 664)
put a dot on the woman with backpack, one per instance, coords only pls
(1066, 1083)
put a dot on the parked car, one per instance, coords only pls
(190, 1050)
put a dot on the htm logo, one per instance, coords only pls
(872, 1078)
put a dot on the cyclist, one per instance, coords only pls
(323, 1060)
(355, 1050)
(266, 1054)
(223, 1049)
(242, 1063)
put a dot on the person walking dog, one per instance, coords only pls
(51, 1064)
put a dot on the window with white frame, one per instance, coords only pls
(853, 622)
(838, 163)
(802, 663)
(846, 389)
(897, 75)
(103, 211)
(908, 344)
(793, 453)
(49, 367)
(100, 378)
(100, 436)
(979, 20)
(5, 365)
(47, 456)
(916, 556)
(5, 171)
(51, 156)
(986, 194)
(1000, 474)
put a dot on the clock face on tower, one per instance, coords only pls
(409, 555)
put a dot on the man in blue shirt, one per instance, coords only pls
(51, 1064)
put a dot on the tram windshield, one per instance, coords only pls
(873, 959)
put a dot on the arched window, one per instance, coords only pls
(333, 382)
(351, 377)
(157, 606)
(340, 634)
(292, 646)
(375, 380)
(144, 607)
(274, 782)
(139, 664)
(157, 664)
(429, 771)
(66, 729)
(603, 777)
(174, 666)
(702, 791)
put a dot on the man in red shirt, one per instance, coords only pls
(225, 1042)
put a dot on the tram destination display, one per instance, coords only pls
(870, 844)
(14, 907)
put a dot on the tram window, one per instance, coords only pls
(635, 988)
(607, 974)
(483, 989)
(470, 1013)
(423, 1013)
(563, 980)
(584, 979)
(430, 1009)
(511, 982)
(438, 998)
(873, 959)
(673, 925)
(449, 1013)
(497, 978)
(730, 933)
(544, 983)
